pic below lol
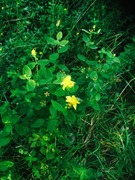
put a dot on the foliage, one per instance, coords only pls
(65, 78)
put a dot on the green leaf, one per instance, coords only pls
(30, 85)
(57, 106)
(63, 49)
(94, 75)
(86, 38)
(14, 118)
(48, 73)
(43, 62)
(116, 59)
(63, 42)
(32, 65)
(81, 57)
(44, 81)
(38, 123)
(53, 57)
(53, 111)
(94, 105)
(5, 165)
(93, 46)
(63, 68)
(52, 125)
(98, 97)
(27, 71)
(21, 130)
(4, 141)
(70, 117)
(59, 92)
(6, 119)
(8, 127)
(106, 66)
(51, 41)
(59, 36)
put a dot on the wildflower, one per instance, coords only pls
(47, 94)
(67, 82)
(43, 103)
(40, 52)
(72, 101)
(33, 53)
(77, 33)
(58, 23)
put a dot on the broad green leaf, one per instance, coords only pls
(52, 124)
(30, 85)
(115, 59)
(48, 73)
(81, 57)
(94, 105)
(98, 97)
(43, 62)
(4, 141)
(59, 92)
(51, 41)
(63, 49)
(6, 118)
(57, 106)
(53, 57)
(53, 111)
(94, 75)
(32, 65)
(14, 118)
(106, 66)
(8, 127)
(44, 81)
(38, 123)
(5, 165)
(70, 117)
(86, 38)
(63, 68)
(59, 36)
(93, 46)
(27, 71)
(21, 130)
(63, 42)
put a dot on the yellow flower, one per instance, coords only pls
(58, 23)
(72, 101)
(47, 93)
(33, 52)
(67, 82)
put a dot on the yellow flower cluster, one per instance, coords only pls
(67, 83)
(34, 53)
(72, 101)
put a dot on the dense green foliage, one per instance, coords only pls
(66, 91)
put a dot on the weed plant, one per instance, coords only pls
(66, 91)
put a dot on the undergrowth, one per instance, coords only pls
(66, 91)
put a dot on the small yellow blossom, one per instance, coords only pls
(33, 52)
(47, 94)
(77, 33)
(43, 103)
(58, 23)
(40, 52)
(67, 83)
(72, 101)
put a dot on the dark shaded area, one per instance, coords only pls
(128, 7)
